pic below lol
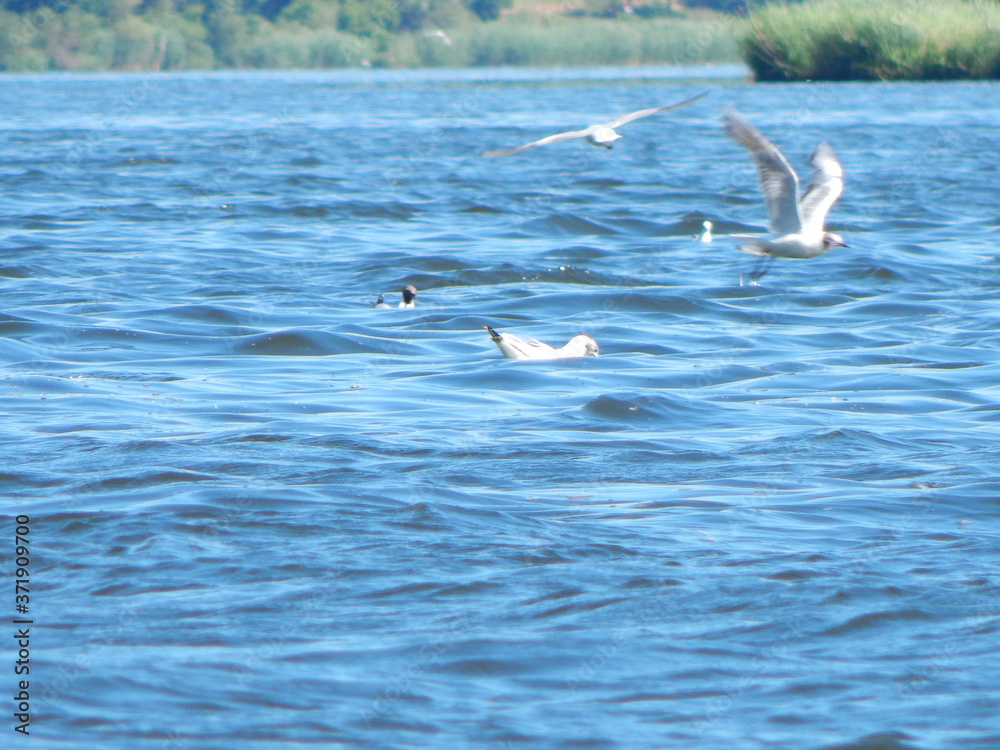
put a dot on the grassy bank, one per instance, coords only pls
(839, 40)
(575, 42)
(173, 36)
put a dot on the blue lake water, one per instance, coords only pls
(265, 514)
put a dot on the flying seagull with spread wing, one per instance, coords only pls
(599, 135)
(797, 223)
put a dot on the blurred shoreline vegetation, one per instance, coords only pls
(40, 35)
(856, 40)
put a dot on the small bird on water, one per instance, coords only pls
(797, 223)
(706, 231)
(599, 135)
(515, 347)
(409, 299)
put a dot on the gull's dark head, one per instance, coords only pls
(493, 334)
(832, 240)
(409, 293)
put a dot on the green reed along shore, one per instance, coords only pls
(577, 42)
(841, 40)
(206, 34)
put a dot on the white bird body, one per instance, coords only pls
(706, 234)
(796, 245)
(603, 134)
(515, 347)
(797, 224)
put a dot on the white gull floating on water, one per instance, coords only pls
(409, 299)
(515, 347)
(599, 135)
(797, 223)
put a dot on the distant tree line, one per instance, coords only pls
(184, 34)
(97, 34)
(392, 15)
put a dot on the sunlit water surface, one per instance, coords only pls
(265, 514)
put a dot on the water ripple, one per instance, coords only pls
(765, 516)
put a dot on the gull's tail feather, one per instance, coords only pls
(751, 246)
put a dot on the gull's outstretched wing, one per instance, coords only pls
(652, 111)
(777, 178)
(825, 186)
(541, 142)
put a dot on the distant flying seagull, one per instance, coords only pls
(797, 223)
(598, 135)
(409, 299)
(440, 35)
(514, 347)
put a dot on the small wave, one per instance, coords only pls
(144, 480)
(561, 225)
(315, 343)
(872, 620)
(879, 741)
(642, 408)
(884, 310)
(342, 209)
(143, 161)
(16, 272)
(479, 208)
